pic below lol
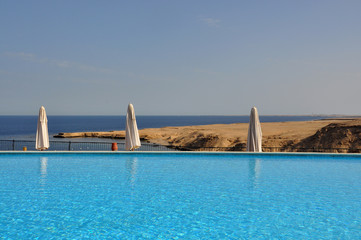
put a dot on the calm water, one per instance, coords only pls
(188, 196)
(24, 127)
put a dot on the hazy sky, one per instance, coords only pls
(180, 57)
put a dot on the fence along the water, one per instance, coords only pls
(18, 145)
(271, 149)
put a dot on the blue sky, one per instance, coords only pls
(180, 57)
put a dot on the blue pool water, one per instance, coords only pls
(179, 196)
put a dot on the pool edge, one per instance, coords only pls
(181, 153)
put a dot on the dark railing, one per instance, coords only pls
(19, 145)
(269, 149)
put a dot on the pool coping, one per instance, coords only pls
(183, 153)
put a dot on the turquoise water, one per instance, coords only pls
(179, 196)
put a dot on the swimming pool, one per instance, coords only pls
(179, 196)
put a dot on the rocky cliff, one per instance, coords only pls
(336, 137)
(330, 135)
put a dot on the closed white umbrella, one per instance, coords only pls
(132, 140)
(42, 135)
(254, 139)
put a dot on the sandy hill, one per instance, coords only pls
(340, 135)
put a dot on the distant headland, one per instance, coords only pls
(343, 134)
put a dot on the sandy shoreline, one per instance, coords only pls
(346, 133)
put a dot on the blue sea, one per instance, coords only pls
(24, 127)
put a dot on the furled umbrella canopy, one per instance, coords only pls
(254, 139)
(42, 135)
(132, 140)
